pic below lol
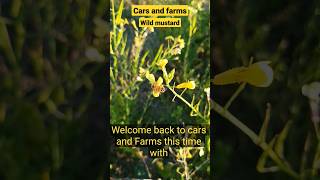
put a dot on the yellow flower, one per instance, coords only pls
(187, 85)
(150, 77)
(157, 87)
(151, 29)
(162, 63)
(121, 22)
(176, 51)
(184, 153)
(180, 42)
(259, 74)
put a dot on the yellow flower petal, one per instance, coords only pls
(181, 43)
(160, 81)
(259, 74)
(162, 63)
(229, 77)
(150, 77)
(156, 93)
(157, 87)
(187, 85)
(184, 153)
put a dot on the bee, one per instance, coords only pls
(158, 89)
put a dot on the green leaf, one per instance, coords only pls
(5, 44)
(157, 55)
(119, 38)
(143, 59)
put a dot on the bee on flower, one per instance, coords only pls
(156, 86)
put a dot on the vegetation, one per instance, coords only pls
(160, 76)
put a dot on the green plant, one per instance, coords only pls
(145, 66)
(261, 75)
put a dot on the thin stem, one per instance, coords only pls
(199, 167)
(144, 110)
(304, 158)
(316, 161)
(235, 95)
(185, 101)
(113, 21)
(186, 56)
(180, 95)
(143, 159)
(186, 168)
(255, 138)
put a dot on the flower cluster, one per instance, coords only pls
(157, 86)
(178, 45)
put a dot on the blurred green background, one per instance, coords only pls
(53, 89)
(287, 34)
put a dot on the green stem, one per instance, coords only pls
(235, 95)
(316, 161)
(113, 22)
(185, 61)
(304, 158)
(185, 101)
(255, 138)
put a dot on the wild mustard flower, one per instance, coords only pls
(162, 63)
(157, 86)
(184, 153)
(179, 44)
(150, 77)
(259, 74)
(186, 85)
(121, 22)
(151, 29)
